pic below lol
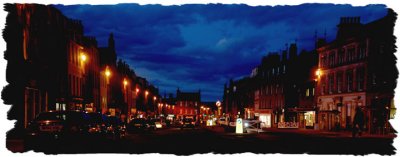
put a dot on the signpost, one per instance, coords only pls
(239, 126)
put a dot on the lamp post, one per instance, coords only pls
(154, 106)
(108, 75)
(318, 74)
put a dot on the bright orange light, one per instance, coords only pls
(125, 82)
(83, 57)
(108, 73)
(155, 98)
(147, 93)
(137, 90)
(318, 72)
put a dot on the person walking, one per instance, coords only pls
(358, 122)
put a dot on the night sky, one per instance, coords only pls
(202, 46)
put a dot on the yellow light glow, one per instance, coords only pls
(125, 82)
(137, 90)
(318, 72)
(108, 73)
(155, 98)
(147, 93)
(83, 57)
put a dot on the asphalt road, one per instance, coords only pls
(205, 140)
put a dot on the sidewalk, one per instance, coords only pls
(312, 132)
(308, 132)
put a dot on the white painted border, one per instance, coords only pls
(6, 124)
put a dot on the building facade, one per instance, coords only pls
(358, 69)
(187, 104)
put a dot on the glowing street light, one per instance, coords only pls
(154, 98)
(108, 72)
(83, 57)
(146, 93)
(125, 82)
(318, 73)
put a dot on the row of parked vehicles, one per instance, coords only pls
(151, 124)
(142, 124)
(65, 124)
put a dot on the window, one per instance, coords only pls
(349, 79)
(313, 91)
(323, 91)
(373, 79)
(307, 92)
(361, 52)
(277, 71)
(360, 79)
(284, 69)
(341, 56)
(339, 82)
(350, 54)
(322, 63)
(330, 83)
(332, 59)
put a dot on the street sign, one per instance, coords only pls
(239, 126)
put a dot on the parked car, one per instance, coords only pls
(97, 123)
(222, 121)
(187, 123)
(160, 123)
(137, 124)
(151, 124)
(115, 127)
(59, 124)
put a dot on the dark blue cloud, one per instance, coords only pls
(203, 46)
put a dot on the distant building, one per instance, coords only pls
(187, 103)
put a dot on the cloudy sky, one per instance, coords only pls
(202, 46)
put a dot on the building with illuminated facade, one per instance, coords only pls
(358, 69)
(52, 65)
(187, 104)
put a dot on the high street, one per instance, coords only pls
(216, 140)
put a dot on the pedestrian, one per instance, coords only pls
(358, 122)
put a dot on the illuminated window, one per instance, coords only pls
(307, 92)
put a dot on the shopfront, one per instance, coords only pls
(309, 119)
(265, 119)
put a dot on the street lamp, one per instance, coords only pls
(125, 82)
(108, 73)
(146, 93)
(318, 73)
(83, 57)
